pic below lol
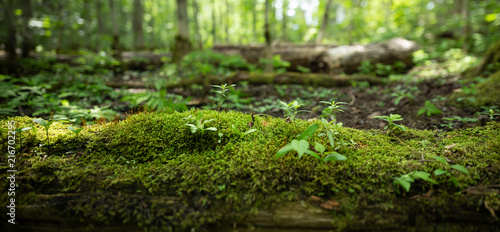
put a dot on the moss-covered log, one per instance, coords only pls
(152, 172)
(308, 79)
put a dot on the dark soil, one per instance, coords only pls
(363, 102)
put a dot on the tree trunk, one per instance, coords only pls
(214, 23)
(268, 52)
(182, 43)
(467, 30)
(10, 38)
(137, 23)
(325, 22)
(115, 45)
(101, 30)
(284, 36)
(27, 33)
(330, 58)
(199, 41)
(226, 25)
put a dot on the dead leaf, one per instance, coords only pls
(330, 204)
(315, 198)
(450, 146)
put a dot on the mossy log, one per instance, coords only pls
(308, 79)
(331, 58)
(492, 56)
(150, 171)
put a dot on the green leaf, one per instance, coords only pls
(421, 111)
(319, 147)
(440, 159)
(460, 168)
(40, 121)
(439, 172)
(211, 129)
(308, 132)
(424, 176)
(250, 131)
(300, 146)
(401, 127)
(334, 157)
(454, 181)
(312, 153)
(330, 138)
(283, 151)
(405, 184)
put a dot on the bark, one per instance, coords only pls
(10, 38)
(325, 22)
(268, 52)
(137, 23)
(284, 25)
(182, 43)
(27, 33)
(214, 23)
(196, 11)
(101, 30)
(467, 30)
(115, 45)
(330, 58)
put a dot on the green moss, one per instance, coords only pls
(155, 155)
(485, 93)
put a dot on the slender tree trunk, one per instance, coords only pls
(182, 43)
(284, 25)
(101, 30)
(10, 39)
(226, 28)
(467, 30)
(254, 19)
(137, 23)
(214, 24)
(325, 22)
(197, 24)
(27, 33)
(152, 43)
(115, 45)
(268, 52)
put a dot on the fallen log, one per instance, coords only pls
(331, 58)
(310, 79)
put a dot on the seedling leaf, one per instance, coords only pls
(460, 168)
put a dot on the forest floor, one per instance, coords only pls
(363, 102)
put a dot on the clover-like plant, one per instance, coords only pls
(406, 179)
(390, 120)
(301, 146)
(429, 108)
(447, 169)
(200, 124)
(46, 125)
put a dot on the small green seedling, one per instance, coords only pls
(75, 131)
(220, 137)
(458, 167)
(331, 130)
(20, 131)
(399, 94)
(390, 120)
(430, 108)
(291, 109)
(333, 107)
(301, 146)
(491, 113)
(223, 89)
(464, 120)
(46, 125)
(406, 179)
(200, 124)
(241, 134)
(449, 123)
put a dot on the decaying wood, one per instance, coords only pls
(311, 79)
(331, 58)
